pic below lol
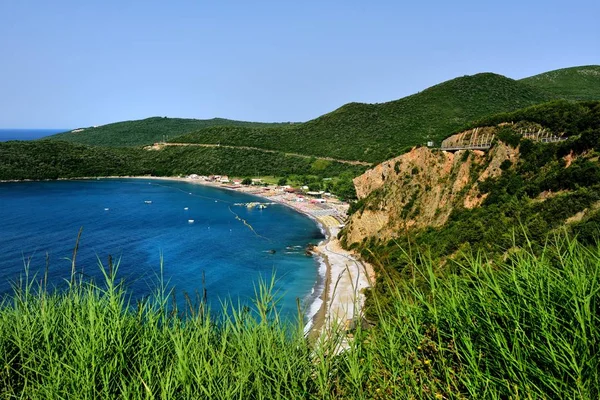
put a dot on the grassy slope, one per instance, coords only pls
(576, 83)
(144, 131)
(375, 132)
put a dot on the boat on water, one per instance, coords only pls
(190, 221)
(148, 201)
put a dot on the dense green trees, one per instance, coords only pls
(576, 83)
(54, 159)
(376, 132)
(145, 131)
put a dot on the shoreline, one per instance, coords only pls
(346, 276)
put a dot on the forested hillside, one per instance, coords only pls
(576, 83)
(55, 159)
(363, 132)
(376, 132)
(145, 131)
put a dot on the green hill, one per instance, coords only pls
(364, 132)
(144, 131)
(375, 132)
(539, 189)
(47, 159)
(576, 83)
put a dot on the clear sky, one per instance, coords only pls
(70, 63)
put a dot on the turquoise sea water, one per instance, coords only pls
(39, 218)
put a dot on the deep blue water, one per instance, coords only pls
(44, 217)
(27, 134)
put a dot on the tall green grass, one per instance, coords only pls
(527, 327)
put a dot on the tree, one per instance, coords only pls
(314, 186)
(282, 181)
(247, 181)
(344, 188)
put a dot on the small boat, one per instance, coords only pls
(106, 209)
(186, 208)
(190, 221)
(148, 201)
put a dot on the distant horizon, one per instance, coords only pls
(35, 129)
(60, 130)
(71, 63)
(8, 134)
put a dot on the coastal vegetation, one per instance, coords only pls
(144, 131)
(521, 327)
(57, 159)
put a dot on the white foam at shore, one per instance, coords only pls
(317, 292)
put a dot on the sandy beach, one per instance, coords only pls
(346, 277)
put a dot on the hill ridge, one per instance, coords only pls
(366, 132)
(375, 132)
(571, 83)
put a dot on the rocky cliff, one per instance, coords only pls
(421, 188)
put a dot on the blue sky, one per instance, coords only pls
(78, 63)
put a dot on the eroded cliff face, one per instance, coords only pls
(420, 189)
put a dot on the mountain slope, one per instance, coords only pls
(375, 132)
(576, 83)
(144, 131)
(447, 202)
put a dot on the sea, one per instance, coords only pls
(27, 134)
(195, 239)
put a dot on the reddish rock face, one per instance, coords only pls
(421, 188)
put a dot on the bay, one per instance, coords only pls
(140, 222)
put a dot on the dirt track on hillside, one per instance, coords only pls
(160, 146)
